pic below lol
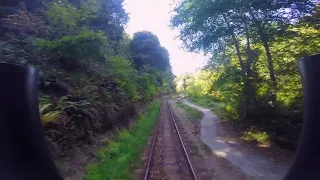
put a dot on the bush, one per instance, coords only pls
(260, 137)
(86, 47)
(125, 75)
(87, 80)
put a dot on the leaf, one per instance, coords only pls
(51, 116)
(44, 108)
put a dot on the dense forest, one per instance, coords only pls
(92, 74)
(252, 77)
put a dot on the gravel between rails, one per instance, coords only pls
(168, 159)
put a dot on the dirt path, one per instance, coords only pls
(254, 165)
(207, 165)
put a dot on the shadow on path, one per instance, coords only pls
(251, 164)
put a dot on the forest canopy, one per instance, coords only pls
(92, 74)
(255, 45)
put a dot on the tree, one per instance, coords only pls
(207, 25)
(146, 50)
(313, 19)
(88, 81)
(254, 44)
(111, 18)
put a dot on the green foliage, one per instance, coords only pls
(86, 46)
(49, 114)
(147, 51)
(125, 75)
(80, 105)
(223, 111)
(116, 161)
(193, 113)
(63, 13)
(260, 137)
(147, 86)
(88, 82)
(253, 75)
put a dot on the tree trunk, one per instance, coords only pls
(247, 85)
(265, 42)
(236, 45)
(271, 71)
(249, 54)
(248, 68)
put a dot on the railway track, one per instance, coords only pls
(168, 158)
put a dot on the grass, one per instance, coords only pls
(260, 137)
(220, 109)
(225, 112)
(193, 113)
(117, 160)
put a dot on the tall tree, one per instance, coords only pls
(205, 25)
(208, 26)
(146, 50)
(87, 78)
(269, 18)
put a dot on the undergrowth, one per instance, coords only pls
(220, 109)
(193, 113)
(260, 137)
(119, 157)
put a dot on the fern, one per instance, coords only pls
(49, 114)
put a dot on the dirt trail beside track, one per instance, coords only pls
(251, 164)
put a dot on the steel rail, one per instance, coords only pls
(182, 144)
(152, 146)
(146, 176)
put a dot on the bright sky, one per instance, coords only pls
(154, 16)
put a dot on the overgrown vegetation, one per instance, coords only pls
(117, 160)
(219, 108)
(260, 137)
(92, 74)
(193, 113)
(252, 76)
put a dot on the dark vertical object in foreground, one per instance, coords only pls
(23, 152)
(306, 164)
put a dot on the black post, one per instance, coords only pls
(23, 151)
(306, 164)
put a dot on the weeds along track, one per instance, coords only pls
(168, 158)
